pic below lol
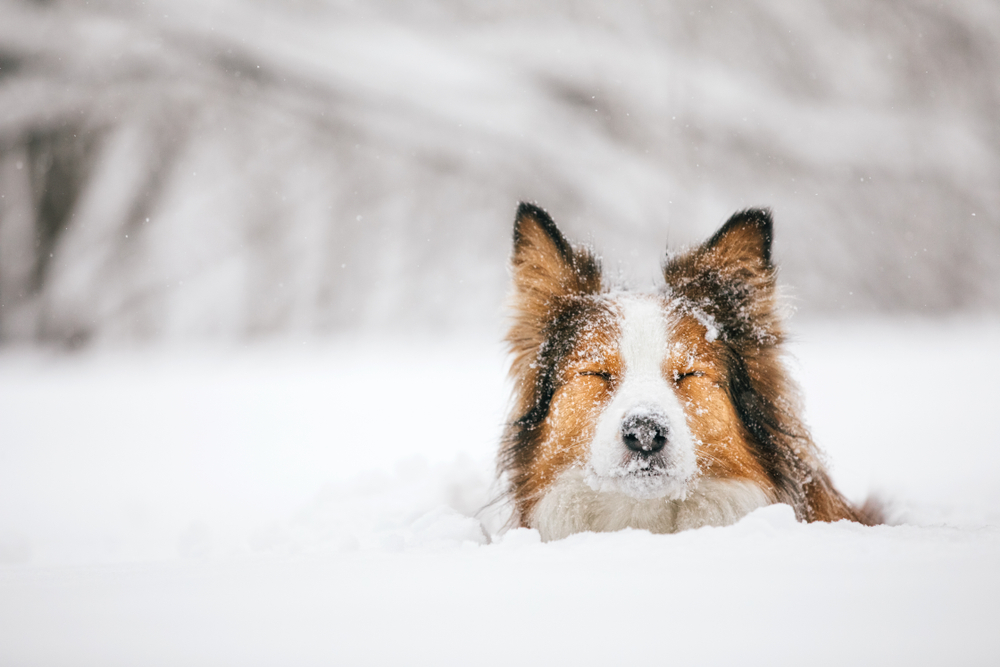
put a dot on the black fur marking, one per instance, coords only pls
(561, 336)
(728, 304)
(763, 422)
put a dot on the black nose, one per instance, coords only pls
(645, 433)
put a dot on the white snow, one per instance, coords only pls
(314, 504)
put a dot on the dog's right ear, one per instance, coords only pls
(545, 266)
(547, 273)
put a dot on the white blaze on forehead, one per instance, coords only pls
(644, 337)
(642, 388)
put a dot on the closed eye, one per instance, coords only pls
(601, 374)
(690, 374)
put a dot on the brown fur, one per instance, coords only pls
(740, 403)
(724, 450)
(553, 286)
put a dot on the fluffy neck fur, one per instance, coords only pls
(572, 506)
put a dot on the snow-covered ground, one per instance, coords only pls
(315, 503)
(200, 172)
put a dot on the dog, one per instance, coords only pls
(661, 411)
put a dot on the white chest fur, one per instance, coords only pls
(572, 506)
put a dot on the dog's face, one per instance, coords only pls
(642, 396)
(641, 405)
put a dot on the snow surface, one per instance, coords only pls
(300, 504)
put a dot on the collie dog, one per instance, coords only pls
(662, 411)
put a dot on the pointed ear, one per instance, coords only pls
(544, 265)
(731, 280)
(744, 241)
(547, 274)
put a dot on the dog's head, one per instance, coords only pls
(647, 393)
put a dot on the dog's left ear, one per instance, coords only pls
(731, 278)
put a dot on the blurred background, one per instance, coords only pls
(224, 170)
